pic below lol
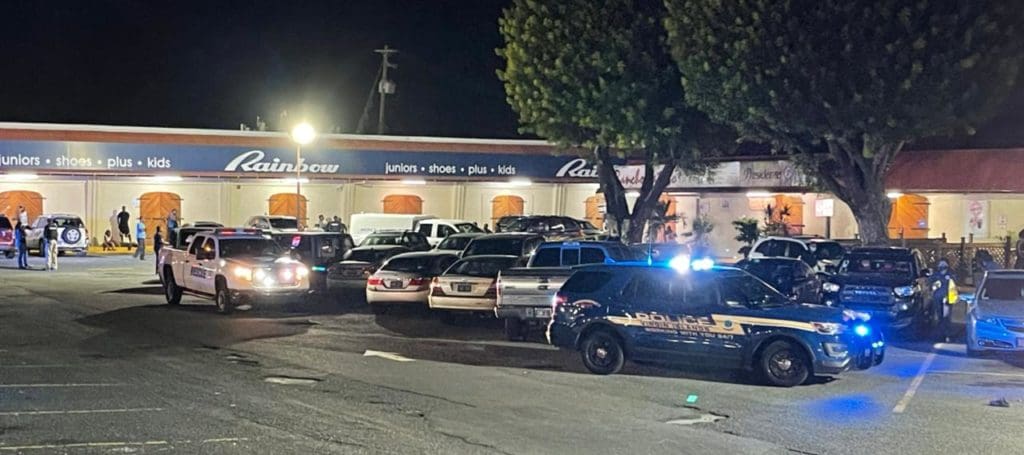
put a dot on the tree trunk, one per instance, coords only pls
(872, 213)
(650, 193)
(616, 210)
(859, 181)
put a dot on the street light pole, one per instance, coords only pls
(302, 134)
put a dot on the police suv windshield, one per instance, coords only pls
(249, 248)
(872, 265)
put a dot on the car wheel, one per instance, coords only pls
(171, 290)
(223, 299)
(602, 353)
(784, 364)
(515, 330)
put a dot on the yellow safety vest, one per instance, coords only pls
(952, 295)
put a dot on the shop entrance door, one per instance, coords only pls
(154, 208)
(31, 200)
(284, 204)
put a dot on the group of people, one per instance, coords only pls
(48, 241)
(333, 224)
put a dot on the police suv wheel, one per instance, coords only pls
(602, 353)
(784, 364)
(223, 300)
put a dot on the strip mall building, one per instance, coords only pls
(228, 176)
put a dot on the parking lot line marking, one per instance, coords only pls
(76, 411)
(107, 444)
(42, 365)
(918, 379)
(40, 386)
(386, 355)
(979, 373)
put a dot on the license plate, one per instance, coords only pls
(539, 313)
(464, 287)
(395, 284)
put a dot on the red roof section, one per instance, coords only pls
(978, 170)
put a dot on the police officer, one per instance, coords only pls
(944, 296)
(50, 234)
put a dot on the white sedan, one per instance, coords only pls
(469, 285)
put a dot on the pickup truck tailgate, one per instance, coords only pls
(530, 287)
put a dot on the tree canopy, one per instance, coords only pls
(844, 84)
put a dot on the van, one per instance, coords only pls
(437, 230)
(364, 224)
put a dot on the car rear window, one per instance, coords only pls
(378, 239)
(364, 255)
(409, 265)
(454, 243)
(68, 222)
(5, 223)
(283, 223)
(586, 282)
(512, 247)
(483, 268)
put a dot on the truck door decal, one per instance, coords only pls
(197, 272)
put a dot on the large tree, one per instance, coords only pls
(597, 75)
(842, 85)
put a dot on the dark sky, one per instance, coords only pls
(218, 63)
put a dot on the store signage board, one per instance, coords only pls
(824, 208)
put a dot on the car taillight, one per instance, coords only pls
(418, 281)
(374, 281)
(435, 287)
(557, 301)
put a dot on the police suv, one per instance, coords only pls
(699, 313)
(232, 266)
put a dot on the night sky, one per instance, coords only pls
(219, 63)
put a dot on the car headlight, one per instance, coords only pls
(244, 273)
(826, 328)
(301, 272)
(904, 291)
(830, 287)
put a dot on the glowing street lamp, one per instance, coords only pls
(302, 134)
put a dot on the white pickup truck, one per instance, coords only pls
(233, 267)
(524, 294)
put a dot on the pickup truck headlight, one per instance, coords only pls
(904, 291)
(244, 273)
(830, 287)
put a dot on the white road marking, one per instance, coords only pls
(44, 365)
(36, 386)
(921, 372)
(504, 344)
(979, 373)
(77, 411)
(107, 444)
(386, 355)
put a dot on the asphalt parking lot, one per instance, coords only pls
(92, 361)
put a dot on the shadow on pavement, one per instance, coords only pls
(142, 290)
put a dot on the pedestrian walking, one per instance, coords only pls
(50, 234)
(140, 237)
(172, 226)
(21, 245)
(158, 243)
(122, 226)
(1019, 264)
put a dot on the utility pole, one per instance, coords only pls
(385, 87)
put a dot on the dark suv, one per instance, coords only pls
(412, 240)
(553, 228)
(891, 284)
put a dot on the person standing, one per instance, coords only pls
(1019, 263)
(23, 215)
(122, 226)
(321, 223)
(944, 296)
(172, 226)
(21, 245)
(140, 237)
(158, 243)
(50, 234)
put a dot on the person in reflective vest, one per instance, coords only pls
(944, 296)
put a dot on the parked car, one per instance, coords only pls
(7, 246)
(412, 240)
(551, 227)
(891, 284)
(364, 224)
(359, 263)
(456, 243)
(720, 317)
(406, 278)
(519, 244)
(469, 285)
(233, 267)
(317, 250)
(437, 230)
(591, 232)
(524, 294)
(995, 318)
(504, 222)
(274, 223)
(71, 233)
(823, 254)
(789, 276)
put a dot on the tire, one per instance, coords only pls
(515, 330)
(784, 364)
(171, 290)
(71, 235)
(223, 299)
(602, 353)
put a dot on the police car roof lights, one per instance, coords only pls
(861, 330)
(684, 263)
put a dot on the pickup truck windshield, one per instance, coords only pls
(512, 246)
(230, 248)
(481, 268)
(854, 265)
(284, 223)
